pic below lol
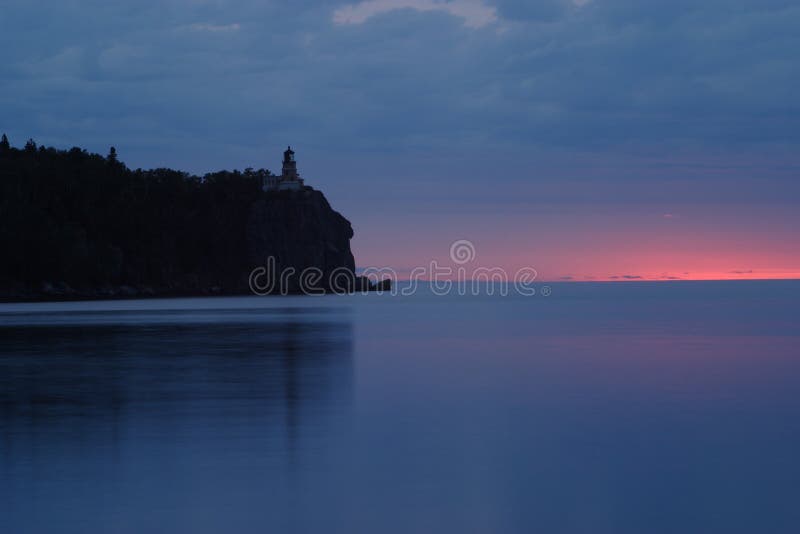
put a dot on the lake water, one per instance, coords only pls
(667, 407)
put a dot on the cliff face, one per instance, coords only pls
(77, 225)
(299, 230)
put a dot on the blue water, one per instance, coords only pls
(671, 407)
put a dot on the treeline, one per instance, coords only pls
(82, 220)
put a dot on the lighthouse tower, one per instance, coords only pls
(289, 180)
(289, 165)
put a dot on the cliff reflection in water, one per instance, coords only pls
(116, 375)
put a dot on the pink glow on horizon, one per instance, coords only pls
(677, 277)
(601, 245)
(583, 230)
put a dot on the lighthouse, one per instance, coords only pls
(289, 165)
(289, 180)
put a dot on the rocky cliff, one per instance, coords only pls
(79, 225)
(292, 232)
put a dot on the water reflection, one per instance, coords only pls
(94, 371)
(209, 388)
(619, 408)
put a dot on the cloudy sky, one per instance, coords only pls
(589, 139)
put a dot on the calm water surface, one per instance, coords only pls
(613, 408)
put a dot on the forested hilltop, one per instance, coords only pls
(77, 224)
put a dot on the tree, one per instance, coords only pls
(88, 221)
(4, 144)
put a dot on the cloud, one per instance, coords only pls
(615, 76)
(475, 13)
(214, 28)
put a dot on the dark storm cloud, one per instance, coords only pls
(178, 75)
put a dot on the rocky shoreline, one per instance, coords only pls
(60, 291)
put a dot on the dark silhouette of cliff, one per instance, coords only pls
(75, 224)
(300, 230)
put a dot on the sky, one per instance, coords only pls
(587, 139)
